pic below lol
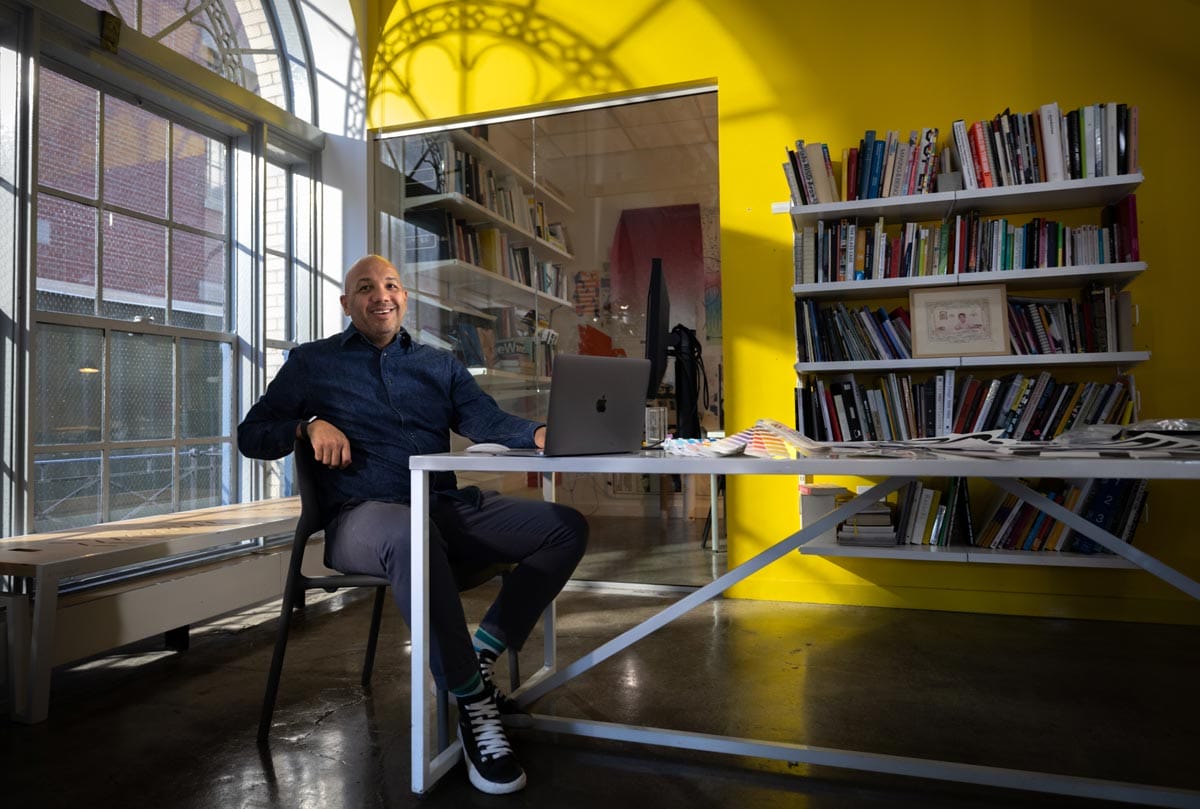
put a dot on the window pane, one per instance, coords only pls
(279, 478)
(304, 307)
(275, 294)
(232, 38)
(205, 388)
(140, 482)
(210, 34)
(277, 208)
(135, 269)
(68, 134)
(66, 490)
(205, 475)
(66, 256)
(69, 380)
(199, 280)
(199, 172)
(142, 404)
(135, 158)
(301, 92)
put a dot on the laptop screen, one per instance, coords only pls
(597, 405)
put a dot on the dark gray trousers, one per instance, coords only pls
(544, 540)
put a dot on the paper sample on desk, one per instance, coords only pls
(989, 444)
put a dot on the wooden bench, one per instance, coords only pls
(46, 628)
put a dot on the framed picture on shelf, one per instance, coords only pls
(959, 321)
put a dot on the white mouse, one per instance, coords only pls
(494, 449)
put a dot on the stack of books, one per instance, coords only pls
(871, 527)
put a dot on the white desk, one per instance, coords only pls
(427, 767)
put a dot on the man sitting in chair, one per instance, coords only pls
(367, 399)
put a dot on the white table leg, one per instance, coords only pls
(714, 532)
(419, 630)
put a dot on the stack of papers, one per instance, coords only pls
(766, 439)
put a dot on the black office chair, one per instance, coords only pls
(311, 521)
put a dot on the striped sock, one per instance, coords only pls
(471, 688)
(486, 641)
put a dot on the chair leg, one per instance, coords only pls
(373, 640)
(514, 670)
(281, 639)
(443, 719)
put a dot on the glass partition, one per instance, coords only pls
(523, 240)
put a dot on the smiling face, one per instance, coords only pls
(374, 299)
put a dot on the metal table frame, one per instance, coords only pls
(428, 766)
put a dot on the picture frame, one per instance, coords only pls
(959, 321)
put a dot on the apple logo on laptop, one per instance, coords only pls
(601, 404)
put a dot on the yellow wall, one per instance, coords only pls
(826, 73)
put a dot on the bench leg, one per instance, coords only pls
(31, 647)
(18, 641)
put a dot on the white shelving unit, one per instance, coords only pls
(989, 202)
(1057, 196)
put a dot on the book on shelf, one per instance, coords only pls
(891, 406)
(922, 517)
(823, 184)
(908, 503)
(556, 234)
(867, 538)
(1102, 508)
(850, 174)
(792, 176)
(1114, 504)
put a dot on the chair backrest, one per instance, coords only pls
(311, 518)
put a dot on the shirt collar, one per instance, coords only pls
(403, 339)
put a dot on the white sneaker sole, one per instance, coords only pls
(491, 787)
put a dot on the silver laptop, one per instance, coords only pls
(597, 405)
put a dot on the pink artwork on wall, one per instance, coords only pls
(672, 233)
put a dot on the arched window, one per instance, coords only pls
(257, 45)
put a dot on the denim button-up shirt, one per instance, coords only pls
(391, 403)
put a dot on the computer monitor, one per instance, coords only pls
(680, 342)
(658, 326)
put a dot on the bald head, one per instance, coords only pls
(374, 299)
(365, 264)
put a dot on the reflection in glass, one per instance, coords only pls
(66, 256)
(199, 281)
(66, 490)
(140, 482)
(135, 269)
(205, 472)
(205, 389)
(141, 387)
(69, 380)
(135, 158)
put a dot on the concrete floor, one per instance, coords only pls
(1105, 700)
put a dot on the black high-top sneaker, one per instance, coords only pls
(491, 764)
(512, 713)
